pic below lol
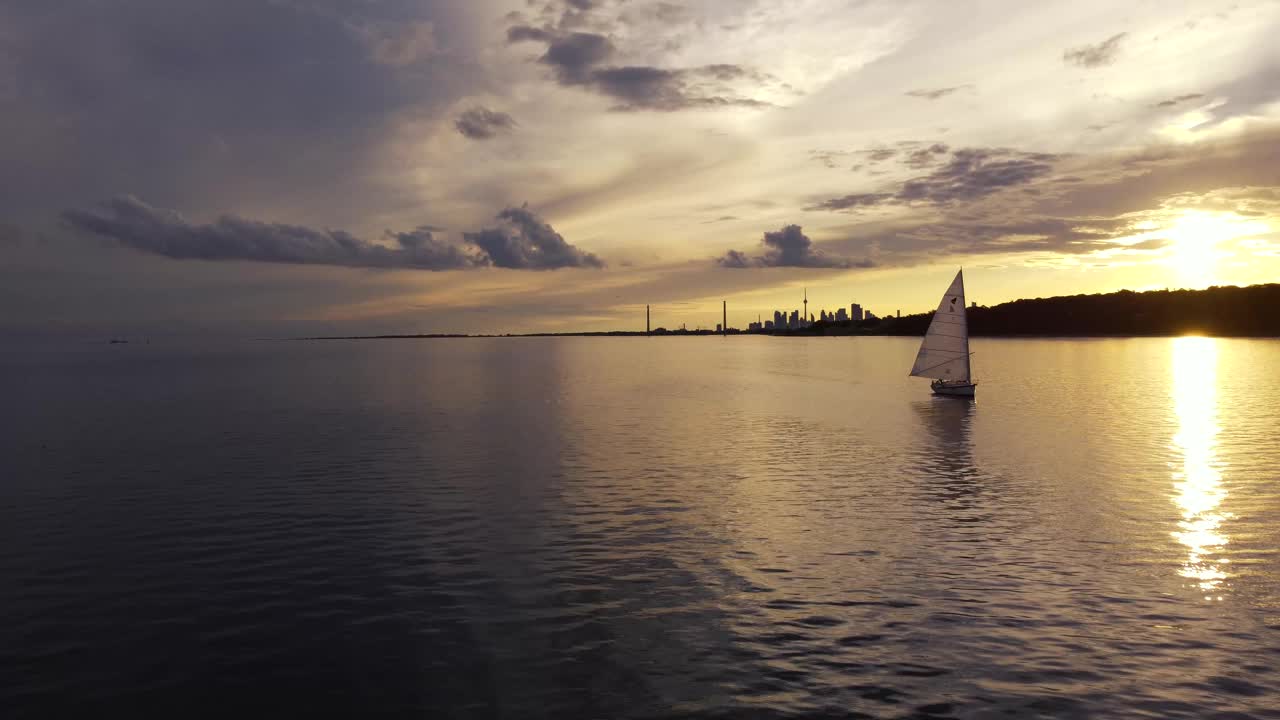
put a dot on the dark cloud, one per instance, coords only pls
(404, 44)
(936, 94)
(641, 87)
(582, 60)
(1092, 56)
(971, 173)
(789, 247)
(726, 72)
(662, 13)
(736, 259)
(524, 241)
(480, 123)
(140, 226)
(1174, 101)
(10, 235)
(522, 33)
(575, 55)
(190, 101)
(856, 200)
(914, 154)
(925, 156)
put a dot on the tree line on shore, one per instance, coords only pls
(1252, 311)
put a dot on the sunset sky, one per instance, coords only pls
(296, 167)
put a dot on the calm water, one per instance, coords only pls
(640, 527)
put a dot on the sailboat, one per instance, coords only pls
(944, 352)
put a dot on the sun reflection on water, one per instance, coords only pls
(1198, 482)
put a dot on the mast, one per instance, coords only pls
(964, 314)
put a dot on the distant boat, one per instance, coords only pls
(944, 352)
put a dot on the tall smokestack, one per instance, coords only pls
(647, 331)
(725, 320)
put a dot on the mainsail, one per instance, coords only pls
(944, 354)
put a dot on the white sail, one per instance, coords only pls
(944, 353)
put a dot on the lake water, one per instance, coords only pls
(640, 527)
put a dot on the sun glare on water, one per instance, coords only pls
(1198, 481)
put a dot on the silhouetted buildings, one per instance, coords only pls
(799, 320)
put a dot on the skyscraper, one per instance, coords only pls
(855, 312)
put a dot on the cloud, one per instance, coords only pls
(936, 94)
(641, 87)
(224, 103)
(480, 123)
(971, 173)
(1106, 205)
(876, 155)
(405, 44)
(925, 156)
(10, 235)
(523, 242)
(1246, 96)
(828, 157)
(789, 247)
(736, 259)
(573, 56)
(522, 33)
(914, 153)
(583, 60)
(140, 226)
(1092, 56)
(1174, 101)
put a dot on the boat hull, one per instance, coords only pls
(960, 390)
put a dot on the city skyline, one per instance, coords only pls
(285, 168)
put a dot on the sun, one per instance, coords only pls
(1194, 238)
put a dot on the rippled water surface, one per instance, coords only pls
(640, 527)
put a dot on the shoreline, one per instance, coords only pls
(712, 333)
